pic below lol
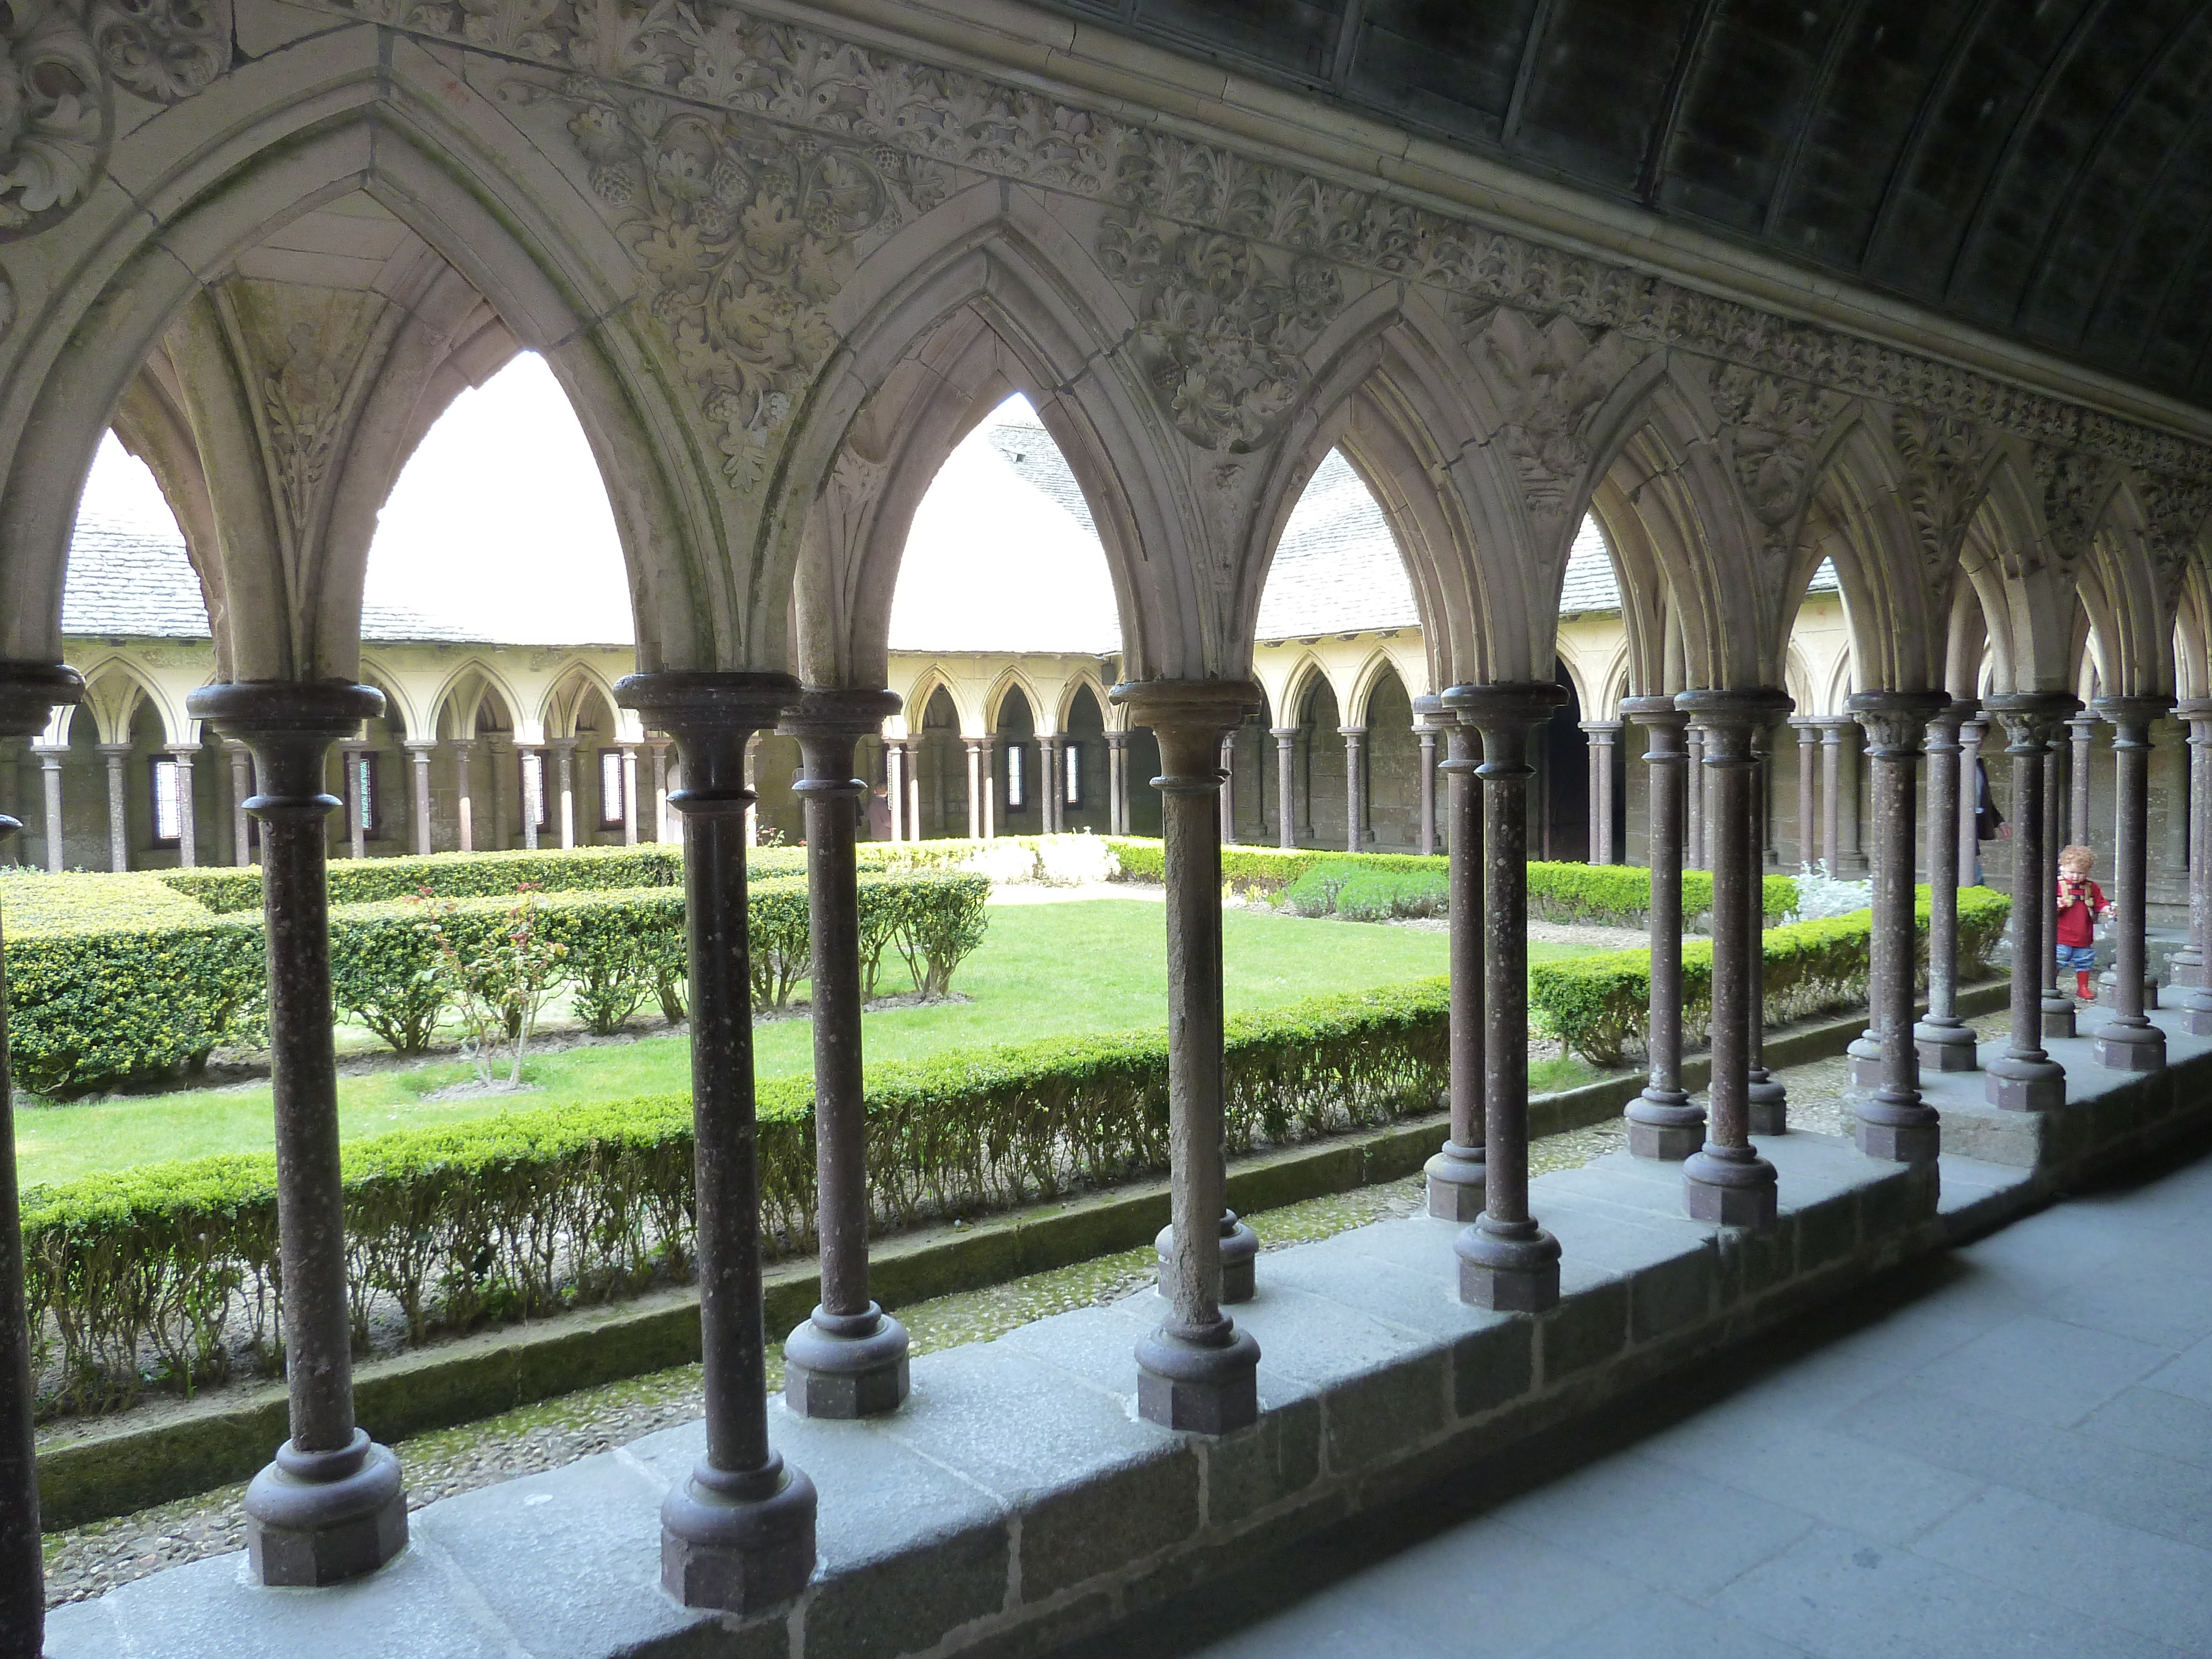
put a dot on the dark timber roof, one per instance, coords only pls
(2041, 168)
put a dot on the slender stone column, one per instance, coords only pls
(331, 1506)
(2025, 1077)
(564, 759)
(974, 787)
(1593, 769)
(1967, 830)
(1945, 1042)
(118, 806)
(1355, 786)
(992, 815)
(2083, 729)
(1227, 788)
(499, 760)
(1831, 796)
(419, 795)
(1427, 708)
(1726, 1182)
(29, 692)
(1506, 1261)
(188, 833)
(1807, 734)
(1602, 735)
(465, 802)
(739, 1534)
(912, 752)
(849, 1359)
(1052, 788)
(662, 827)
(895, 786)
(1662, 1122)
(1894, 1123)
(51, 757)
(2058, 1009)
(524, 759)
(1117, 783)
(1286, 785)
(2196, 993)
(2128, 1042)
(1197, 1371)
(1456, 1173)
(630, 794)
(1693, 787)
(1767, 1097)
(242, 785)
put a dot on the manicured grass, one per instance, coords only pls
(1044, 970)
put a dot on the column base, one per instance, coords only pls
(1207, 1384)
(1768, 1104)
(737, 1543)
(2197, 1013)
(1456, 1175)
(1865, 1061)
(2020, 1084)
(2185, 969)
(1944, 1045)
(1663, 1125)
(2059, 1012)
(1729, 1190)
(1240, 1253)
(319, 1518)
(1508, 1268)
(2120, 1048)
(843, 1367)
(1895, 1131)
(2108, 987)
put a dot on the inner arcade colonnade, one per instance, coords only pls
(1198, 319)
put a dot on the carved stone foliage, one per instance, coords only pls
(2074, 487)
(164, 51)
(2178, 516)
(1944, 458)
(302, 349)
(1555, 375)
(1776, 427)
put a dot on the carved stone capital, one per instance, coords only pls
(1896, 722)
(1189, 717)
(30, 692)
(2033, 718)
(2130, 716)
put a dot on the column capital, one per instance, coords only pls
(1352, 730)
(1735, 708)
(1283, 733)
(1429, 712)
(712, 716)
(1603, 728)
(1113, 740)
(1896, 721)
(2125, 712)
(2194, 710)
(463, 745)
(558, 745)
(1190, 717)
(2032, 718)
(181, 752)
(1504, 705)
(824, 711)
(426, 747)
(29, 692)
(1658, 713)
(290, 725)
(115, 751)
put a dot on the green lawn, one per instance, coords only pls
(1045, 970)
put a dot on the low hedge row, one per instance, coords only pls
(227, 890)
(1601, 1005)
(1619, 895)
(166, 1275)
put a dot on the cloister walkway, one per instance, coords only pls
(2004, 1451)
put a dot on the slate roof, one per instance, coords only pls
(126, 581)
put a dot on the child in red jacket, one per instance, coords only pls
(2081, 905)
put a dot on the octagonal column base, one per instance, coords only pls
(1208, 1384)
(2108, 990)
(1240, 1253)
(843, 1367)
(319, 1518)
(1766, 1104)
(1948, 1046)
(1508, 1268)
(1897, 1131)
(2120, 1048)
(1456, 1177)
(737, 1543)
(2015, 1085)
(1729, 1190)
(1865, 1062)
(2197, 1013)
(2059, 1017)
(1663, 1125)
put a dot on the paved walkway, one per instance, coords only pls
(2008, 1455)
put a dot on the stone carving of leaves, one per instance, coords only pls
(1224, 324)
(1944, 456)
(1555, 375)
(1776, 426)
(2176, 512)
(163, 49)
(2073, 489)
(302, 401)
(54, 120)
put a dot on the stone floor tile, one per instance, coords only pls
(2150, 1303)
(84, 1630)
(2041, 1369)
(1333, 1625)
(1841, 1596)
(1486, 1589)
(1662, 1525)
(2137, 1580)
(2151, 1420)
(1657, 1626)
(1884, 1495)
(2189, 1374)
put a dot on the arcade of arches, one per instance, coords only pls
(783, 261)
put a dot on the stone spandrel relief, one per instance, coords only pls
(1777, 428)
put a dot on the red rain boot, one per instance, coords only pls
(2082, 988)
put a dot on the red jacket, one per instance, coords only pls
(2077, 922)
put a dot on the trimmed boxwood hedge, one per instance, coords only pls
(1600, 1006)
(165, 1275)
(453, 875)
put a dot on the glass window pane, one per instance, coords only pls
(612, 807)
(167, 824)
(1074, 753)
(1014, 796)
(533, 787)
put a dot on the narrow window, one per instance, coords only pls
(365, 794)
(168, 822)
(533, 787)
(1073, 791)
(614, 810)
(1017, 795)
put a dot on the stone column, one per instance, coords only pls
(1601, 735)
(1967, 830)
(1197, 1371)
(1894, 1123)
(2025, 1077)
(2058, 1009)
(464, 801)
(498, 756)
(848, 1359)
(51, 757)
(895, 786)
(1052, 786)
(29, 692)
(1355, 786)
(661, 825)
(2196, 996)
(331, 1506)
(241, 787)
(1286, 785)
(1117, 782)
(1662, 1122)
(419, 752)
(118, 806)
(564, 760)
(1727, 1181)
(1767, 1097)
(1807, 734)
(991, 812)
(630, 794)
(1456, 1173)
(1831, 796)
(2083, 730)
(974, 787)
(188, 832)
(2128, 1042)
(912, 750)
(1693, 787)
(1945, 1042)
(1506, 1261)
(523, 761)
(1227, 788)
(1426, 708)
(737, 1534)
